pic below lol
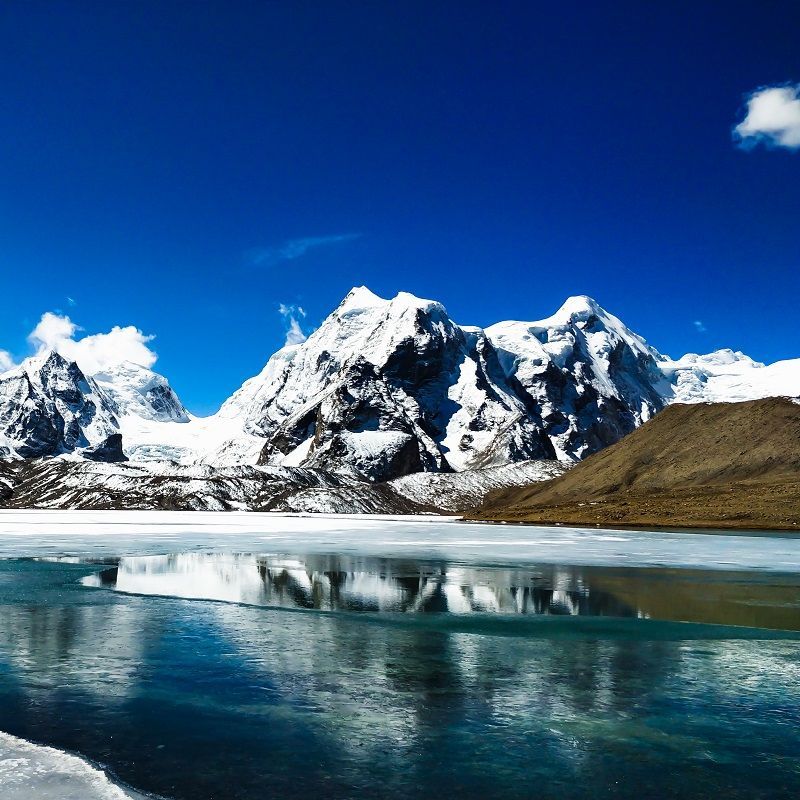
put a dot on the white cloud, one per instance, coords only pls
(700, 326)
(295, 248)
(96, 352)
(294, 332)
(6, 362)
(51, 330)
(773, 117)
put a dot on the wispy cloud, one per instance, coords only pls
(773, 118)
(291, 318)
(6, 361)
(295, 248)
(700, 326)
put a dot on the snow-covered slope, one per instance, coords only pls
(728, 376)
(453, 492)
(134, 390)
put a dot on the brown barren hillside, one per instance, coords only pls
(722, 465)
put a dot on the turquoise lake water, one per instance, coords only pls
(210, 674)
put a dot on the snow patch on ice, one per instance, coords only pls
(33, 772)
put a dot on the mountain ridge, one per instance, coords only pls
(388, 387)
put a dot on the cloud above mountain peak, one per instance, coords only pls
(96, 352)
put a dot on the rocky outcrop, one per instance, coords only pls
(49, 407)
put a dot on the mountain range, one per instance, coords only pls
(381, 390)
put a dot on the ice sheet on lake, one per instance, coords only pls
(32, 772)
(110, 533)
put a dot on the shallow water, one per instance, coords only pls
(225, 674)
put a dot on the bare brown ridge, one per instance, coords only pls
(721, 465)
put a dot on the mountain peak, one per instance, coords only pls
(361, 297)
(50, 407)
(580, 306)
(36, 362)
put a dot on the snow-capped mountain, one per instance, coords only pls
(593, 379)
(728, 376)
(386, 388)
(393, 387)
(49, 407)
(133, 390)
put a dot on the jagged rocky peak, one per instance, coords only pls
(49, 407)
(592, 377)
(135, 390)
(350, 397)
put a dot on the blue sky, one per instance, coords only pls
(186, 168)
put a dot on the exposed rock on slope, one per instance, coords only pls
(57, 483)
(460, 491)
(711, 465)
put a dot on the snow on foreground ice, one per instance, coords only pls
(32, 772)
(115, 533)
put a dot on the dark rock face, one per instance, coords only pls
(165, 402)
(110, 450)
(48, 407)
(362, 401)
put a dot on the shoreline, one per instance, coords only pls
(672, 527)
(150, 516)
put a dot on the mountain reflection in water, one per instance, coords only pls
(364, 698)
(362, 584)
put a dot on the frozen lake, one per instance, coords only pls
(98, 533)
(197, 656)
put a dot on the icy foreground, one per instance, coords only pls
(114, 533)
(32, 772)
(386, 388)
